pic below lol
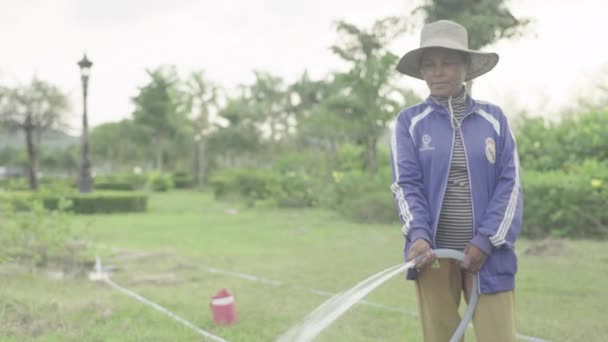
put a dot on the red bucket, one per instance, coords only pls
(223, 308)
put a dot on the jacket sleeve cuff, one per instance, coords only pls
(420, 233)
(483, 243)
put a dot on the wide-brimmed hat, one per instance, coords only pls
(450, 35)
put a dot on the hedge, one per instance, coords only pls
(93, 203)
(120, 182)
(182, 180)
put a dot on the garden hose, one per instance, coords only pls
(468, 315)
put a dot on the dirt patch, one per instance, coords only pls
(19, 320)
(123, 256)
(100, 312)
(168, 279)
(547, 247)
(11, 270)
(183, 267)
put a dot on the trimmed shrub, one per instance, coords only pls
(160, 182)
(114, 185)
(93, 203)
(120, 182)
(183, 180)
(57, 184)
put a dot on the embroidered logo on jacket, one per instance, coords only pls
(426, 143)
(491, 150)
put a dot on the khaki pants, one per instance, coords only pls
(438, 290)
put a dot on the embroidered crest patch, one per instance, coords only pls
(491, 150)
(426, 143)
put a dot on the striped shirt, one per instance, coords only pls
(455, 228)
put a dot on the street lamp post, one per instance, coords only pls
(85, 181)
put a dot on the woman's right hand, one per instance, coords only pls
(422, 247)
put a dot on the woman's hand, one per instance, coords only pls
(473, 258)
(422, 247)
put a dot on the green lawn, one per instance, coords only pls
(560, 291)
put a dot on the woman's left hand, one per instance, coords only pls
(473, 258)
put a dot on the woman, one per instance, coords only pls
(457, 186)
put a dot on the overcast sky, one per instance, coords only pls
(228, 39)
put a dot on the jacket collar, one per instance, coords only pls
(472, 106)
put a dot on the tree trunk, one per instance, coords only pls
(112, 156)
(201, 165)
(196, 163)
(31, 153)
(159, 154)
(371, 161)
(199, 168)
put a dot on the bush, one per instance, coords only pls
(39, 237)
(15, 184)
(355, 183)
(57, 184)
(93, 203)
(291, 189)
(183, 180)
(374, 207)
(545, 145)
(160, 182)
(120, 182)
(250, 185)
(113, 185)
(296, 190)
(567, 204)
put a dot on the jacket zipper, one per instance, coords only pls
(466, 157)
(445, 182)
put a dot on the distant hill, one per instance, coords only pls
(51, 138)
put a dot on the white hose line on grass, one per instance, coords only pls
(99, 275)
(318, 292)
(324, 293)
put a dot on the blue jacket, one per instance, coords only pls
(421, 152)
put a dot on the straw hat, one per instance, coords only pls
(450, 35)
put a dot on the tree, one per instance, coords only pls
(364, 97)
(118, 144)
(240, 138)
(269, 101)
(304, 95)
(304, 98)
(486, 21)
(156, 108)
(33, 108)
(201, 102)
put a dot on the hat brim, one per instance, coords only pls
(479, 64)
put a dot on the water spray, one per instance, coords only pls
(333, 308)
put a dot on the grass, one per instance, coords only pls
(560, 290)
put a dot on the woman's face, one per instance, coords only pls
(443, 70)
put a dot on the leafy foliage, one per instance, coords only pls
(33, 108)
(158, 181)
(546, 146)
(486, 21)
(90, 203)
(37, 236)
(567, 204)
(156, 109)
